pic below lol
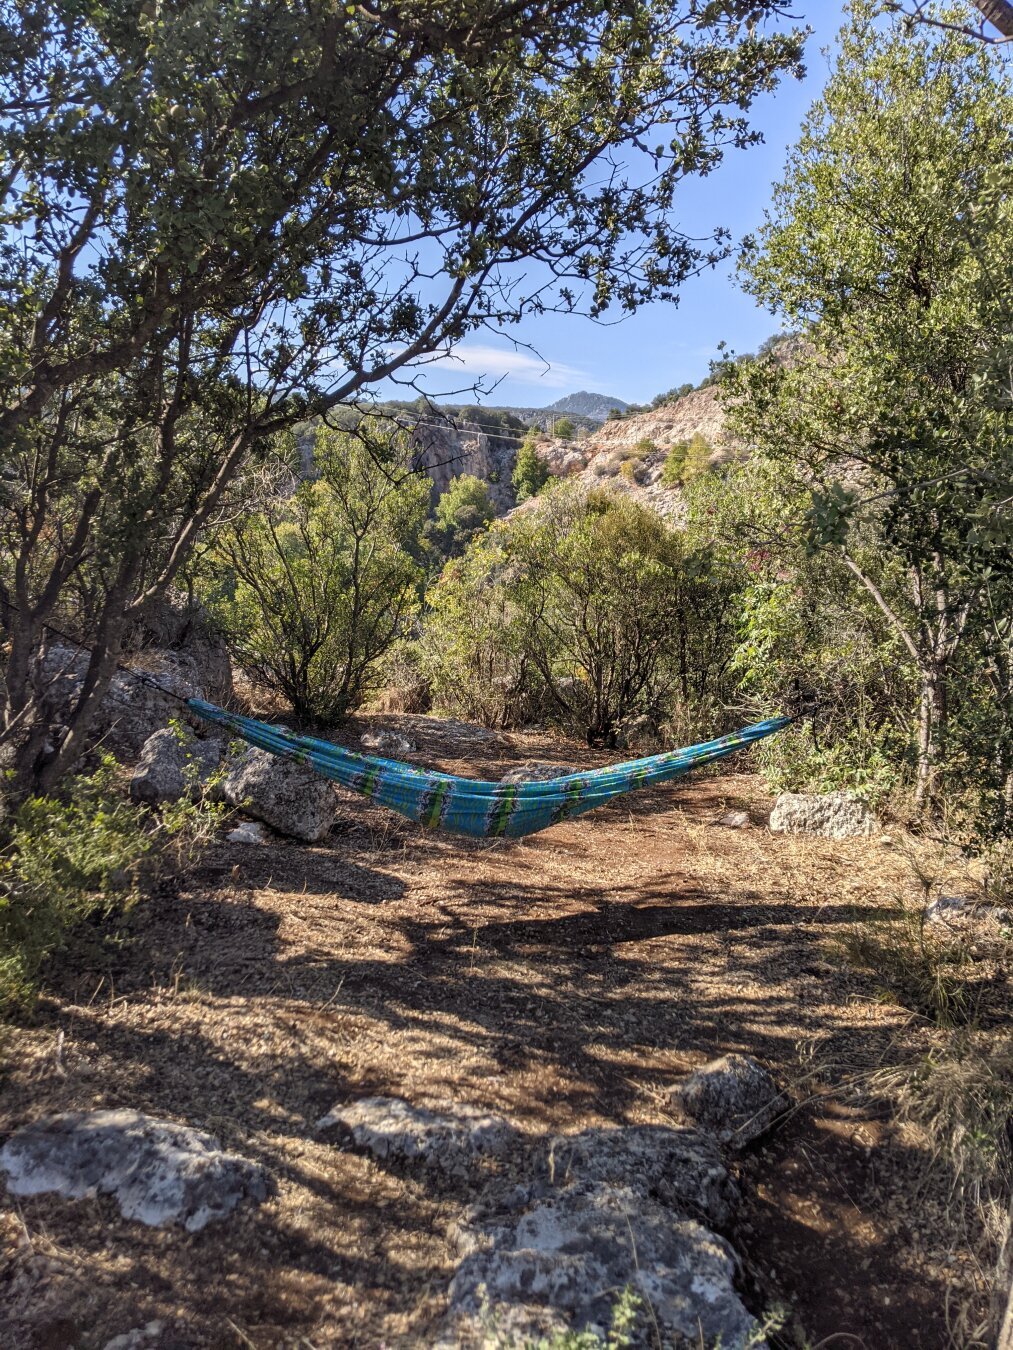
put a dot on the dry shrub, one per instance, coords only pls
(916, 968)
(960, 1095)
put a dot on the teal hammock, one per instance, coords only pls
(472, 806)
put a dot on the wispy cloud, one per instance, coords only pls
(495, 363)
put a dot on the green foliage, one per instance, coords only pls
(531, 472)
(202, 244)
(892, 422)
(193, 820)
(590, 607)
(472, 646)
(462, 512)
(627, 1316)
(564, 428)
(66, 859)
(686, 460)
(314, 589)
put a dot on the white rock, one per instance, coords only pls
(832, 815)
(387, 743)
(448, 1138)
(138, 1338)
(534, 771)
(734, 820)
(159, 1172)
(733, 1097)
(282, 793)
(248, 832)
(561, 1265)
(171, 766)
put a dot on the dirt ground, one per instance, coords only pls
(566, 981)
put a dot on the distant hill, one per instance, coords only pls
(595, 406)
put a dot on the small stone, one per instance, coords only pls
(734, 820)
(387, 743)
(158, 1171)
(734, 1097)
(139, 1338)
(448, 1137)
(533, 771)
(249, 832)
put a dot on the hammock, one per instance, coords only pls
(469, 805)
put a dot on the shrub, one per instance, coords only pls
(462, 512)
(66, 859)
(686, 460)
(565, 429)
(633, 470)
(315, 589)
(531, 472)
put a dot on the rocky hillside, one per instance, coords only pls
(642, 442)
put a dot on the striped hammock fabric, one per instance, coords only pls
(471, 806)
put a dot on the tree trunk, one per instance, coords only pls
(999, 13)
(931, 732)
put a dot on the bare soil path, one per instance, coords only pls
(565, 981)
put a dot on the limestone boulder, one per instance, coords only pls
(559, 1266)
(386, 743)
(830, 815)
(133, 708)
(183, 625)
(449, 1138)
(281, 792)
(174, 765)
(158, 1172)
(733, 1098)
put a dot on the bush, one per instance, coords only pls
(313, 591)
(66, 860)
(686, 460)
(531, 472)
(462, 513)
(564, 429)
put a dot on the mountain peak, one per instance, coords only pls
(586, 404)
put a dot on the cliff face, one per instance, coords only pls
(598, 459)
(447, 451)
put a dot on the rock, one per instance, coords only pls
(387, 743)
(676, 1164)
(533, 771)
(182, 625)
(159, 1172)
(449, 1138)
(282, 793)
(248, 832)
(945, 907)
(132, 710)
(172, 766)
(561, 1265)
(733, 1097)
(832, 815)
(138, 1338)
(734, 820)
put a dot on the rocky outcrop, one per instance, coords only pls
(158, 1172)
(449, 1138)
(282, 793)
(592, 1213)
(133, 709)
(174, 765)
(830, 815)
(733, 1098)
(182, 625)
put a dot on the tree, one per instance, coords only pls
(887, 238)
(462, 512)
(314, 590)
(564, 428)
(998, 13)
(686, 460)
(597, 580)
(531, 472)
(220, 219)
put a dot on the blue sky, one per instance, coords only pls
(662, 345)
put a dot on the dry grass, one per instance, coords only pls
(567, 981)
